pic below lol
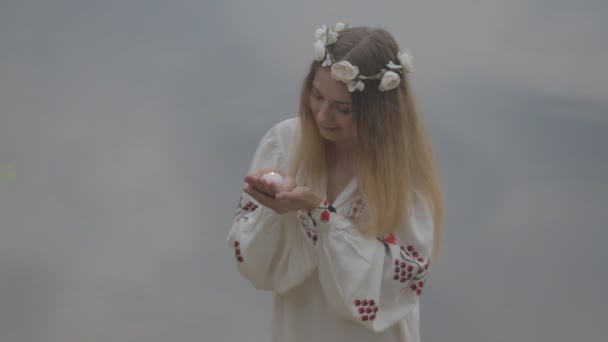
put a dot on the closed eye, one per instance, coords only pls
(316, 94)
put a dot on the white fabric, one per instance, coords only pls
(329, 282)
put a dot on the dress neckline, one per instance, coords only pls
(345, 193)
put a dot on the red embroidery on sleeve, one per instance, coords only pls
(242, 209)
(411, 267)
(308, 224)
(250, 206)
(366, 308)
(237, 251)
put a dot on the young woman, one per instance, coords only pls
(344, 230)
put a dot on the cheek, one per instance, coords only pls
(346, 121)
(314, 106)
(349, 125)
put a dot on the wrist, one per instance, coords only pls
(313, 204)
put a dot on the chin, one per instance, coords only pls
(331, 137)
(337, 135)
(334, 138)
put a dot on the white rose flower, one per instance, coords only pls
(339, 27)
(319, 50)
(327, 61)
(407, 61)
(332, 36)
(321, 34)
(390, 80)
(393, 66)
(344, 71)
(355, 85)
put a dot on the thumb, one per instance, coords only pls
(282, 195)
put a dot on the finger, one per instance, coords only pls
(251, 177)
(260, 184)
(283, 195)
(256, 174)
(269, 187)
(249, 190)
(255, 194)
(260, 195)
(250, 181)
(265, 187)
(289, 184)
(260, 172)
(256, 183)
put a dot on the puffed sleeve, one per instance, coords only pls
(373, 281)
(271, 250)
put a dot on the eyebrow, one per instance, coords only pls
(340, 102)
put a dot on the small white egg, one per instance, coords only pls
(273, 177)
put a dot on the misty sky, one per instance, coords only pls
(130, 124)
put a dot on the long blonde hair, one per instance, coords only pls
(393, 157)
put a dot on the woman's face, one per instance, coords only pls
(331, 107)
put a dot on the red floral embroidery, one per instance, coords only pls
(411, 268)
(402, 271)
(308, 225)
(327, 209)
(244, 209)
(390, 239)
(418, 287)
(250, 206)
(237, 251)
(355, 209)
(366, 308)
(325, 216)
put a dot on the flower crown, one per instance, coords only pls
(349, 74)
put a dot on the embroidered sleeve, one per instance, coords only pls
(375, 282)
(270, 250)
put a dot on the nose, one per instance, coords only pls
(324, 111)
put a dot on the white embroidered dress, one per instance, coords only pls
(329, 282)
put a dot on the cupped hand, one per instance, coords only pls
(282, 199)
(257, 183)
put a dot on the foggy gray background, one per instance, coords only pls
(130, 125)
